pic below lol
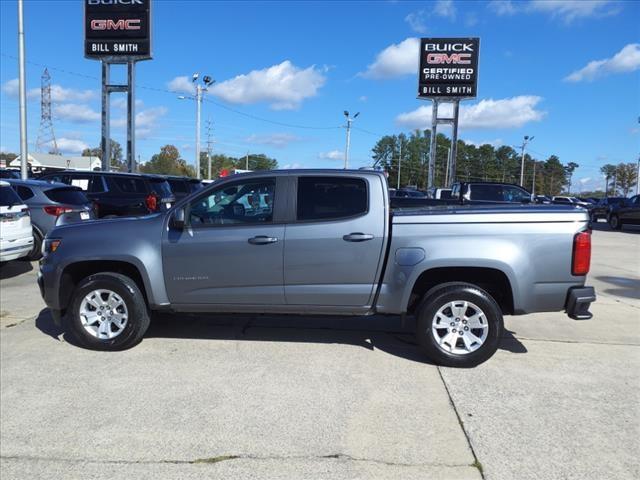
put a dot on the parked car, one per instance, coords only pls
(405, 193)
(9, 173)
(320, 242)
(51, 204)
(183, 186)
(489, 192)
(603, 207)
(16, 239)
(542, 200)
(439, 193)
(564, 200)
(120, 194)
(626, 212)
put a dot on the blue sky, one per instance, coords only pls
(566, 72)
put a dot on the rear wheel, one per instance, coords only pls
(614, 222)
(108, 312)
(459, 325)
(36, 252)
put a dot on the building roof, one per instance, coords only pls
(37, 159)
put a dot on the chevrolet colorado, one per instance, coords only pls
(312, 242)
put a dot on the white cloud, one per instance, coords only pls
(74, 112)
(283, 86)
(416, 21)
(182, 85)
(445, 9)
(494, 143)
(570, 10)
(58, 92)
(502, 7)
(291, 166)
(363, 98)
(395, 60)
(277, 140)
(146, 121)
(626, 60)
(70, 145)
(504, 113)
(332, 155)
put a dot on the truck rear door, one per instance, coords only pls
(334, 248)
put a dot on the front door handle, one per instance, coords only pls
(357, 237)
(262, 240)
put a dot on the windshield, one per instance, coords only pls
(8, 197)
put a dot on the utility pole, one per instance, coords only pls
(446, 172)
(24, 154)
(200, 89)
(350, 120)
(533, 182)
(638, 178)
(399, 162)
(527, 139)
(209, 142)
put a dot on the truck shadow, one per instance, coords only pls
(14, 269)
(624, 287)
(378, 332)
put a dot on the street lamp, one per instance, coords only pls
(200, 89)
(350, 119)
(527, 139)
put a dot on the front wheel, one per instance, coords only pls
(108, 312)
(459, 325)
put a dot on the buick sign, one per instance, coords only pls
(117, 29)
(448, 67)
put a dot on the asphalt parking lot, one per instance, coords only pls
(284, 397)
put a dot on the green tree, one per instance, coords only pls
(569, 169)
(117, 162)
(627, 177)
(609, 171)
(168, 162)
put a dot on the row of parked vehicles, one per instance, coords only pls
(617, 211)
(29, 209)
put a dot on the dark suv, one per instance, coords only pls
(120, 194)
(626, 212)
(603, 207)
(183, 186)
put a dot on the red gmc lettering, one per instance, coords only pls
(122, 24)
(456, 58)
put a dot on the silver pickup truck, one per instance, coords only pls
(320, 242)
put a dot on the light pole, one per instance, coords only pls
(527, 139)
(24, 154)
(200, 89)
(350, 119)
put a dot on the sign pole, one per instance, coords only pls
(131, 117)
(105, 142)
(454, 144)
(431, 174)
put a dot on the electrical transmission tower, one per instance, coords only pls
(46, 137)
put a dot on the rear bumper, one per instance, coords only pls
(15, 248)
(578, 301)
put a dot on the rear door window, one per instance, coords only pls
(70, 196)
(331, 198)
(491, 193)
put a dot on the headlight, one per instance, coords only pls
(50, 245)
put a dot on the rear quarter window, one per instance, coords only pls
(178, 186)
(128, 184)
(69, 196)
(25, 193)
(161, 187)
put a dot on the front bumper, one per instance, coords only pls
(578, 301)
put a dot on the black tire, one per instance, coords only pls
(138, 313)
(35, 253)
(451, 292)
(614, 222)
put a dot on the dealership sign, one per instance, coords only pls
(448, 67)
(117, 29)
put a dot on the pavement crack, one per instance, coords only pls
(476, 463)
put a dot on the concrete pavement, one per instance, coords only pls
(327, 398)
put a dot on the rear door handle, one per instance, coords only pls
(262, 240)
(357, 237)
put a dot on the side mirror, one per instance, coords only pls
(177, 219)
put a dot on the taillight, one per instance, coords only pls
(57, 211)
(581, 260)
(152, 202)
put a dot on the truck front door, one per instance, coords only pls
(231, 248)
(333, 250)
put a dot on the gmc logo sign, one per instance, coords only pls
(122, 24)
(455, 58)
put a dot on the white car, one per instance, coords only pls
(16, 235)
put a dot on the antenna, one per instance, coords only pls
(46, 137)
